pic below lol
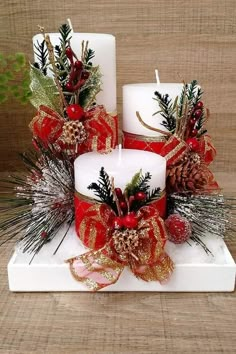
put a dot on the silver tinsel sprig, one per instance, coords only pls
(208, 213)
(36, 203)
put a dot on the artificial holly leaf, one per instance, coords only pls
(44, 91)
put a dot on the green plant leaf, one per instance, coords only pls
(20, 59)
(3, 98)
(44, 91)
(3, 88)
(3, 79)
(9, 75)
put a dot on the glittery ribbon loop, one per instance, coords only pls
(102, 131)
(173, 150)
(207, 149)
(103, 264)
(47, 124)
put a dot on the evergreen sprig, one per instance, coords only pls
(153, 195)
(103, 189)
(62, 62)
(89, 55)
(65, 33)
(167, 111)
(182, 100)
(41, 52)
(138, 183)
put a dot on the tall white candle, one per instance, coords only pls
(139, 97)
(105, 56)
(120, 164)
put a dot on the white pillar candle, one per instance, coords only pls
(105, 56)
(139, 97)
(121, 164)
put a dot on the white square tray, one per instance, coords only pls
(194, 270)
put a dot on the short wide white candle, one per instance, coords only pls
(104, 46)
(139, 97)
(121, 164)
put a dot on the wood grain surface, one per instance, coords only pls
(185, 40)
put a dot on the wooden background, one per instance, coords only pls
(185, 39)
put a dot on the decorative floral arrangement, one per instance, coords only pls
(129, 230)
(67, 123)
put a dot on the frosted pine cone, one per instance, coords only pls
(190, 174)
(73, 132)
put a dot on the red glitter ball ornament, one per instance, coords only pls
(178, 227)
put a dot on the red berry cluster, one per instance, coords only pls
(128, 219)
(195, 116)
(197, 113)
(78, 74)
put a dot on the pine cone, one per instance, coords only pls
(189, 174)
(125, 242)
(73, 132)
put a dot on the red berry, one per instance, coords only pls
(85, 75)
(198, 113)
(140, 196)
(131, 199)
(69, 87)
(123, 206)
(178, 227)
(117, 222)
(130, 221)
(78, 65)
(44, 234)
(193, 143)
(199, 105)
(192, 121)
(119, 193)
(69, 53)
(75, 111)
(194, 132)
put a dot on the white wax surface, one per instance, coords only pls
(122, 165)
(139, 97)
(104, 46)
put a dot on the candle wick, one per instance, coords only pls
(120, 153)
(157, 77)
(70, 25)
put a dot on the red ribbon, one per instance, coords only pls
(103, 264)
(140, 142)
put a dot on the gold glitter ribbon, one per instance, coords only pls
(101, 267)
